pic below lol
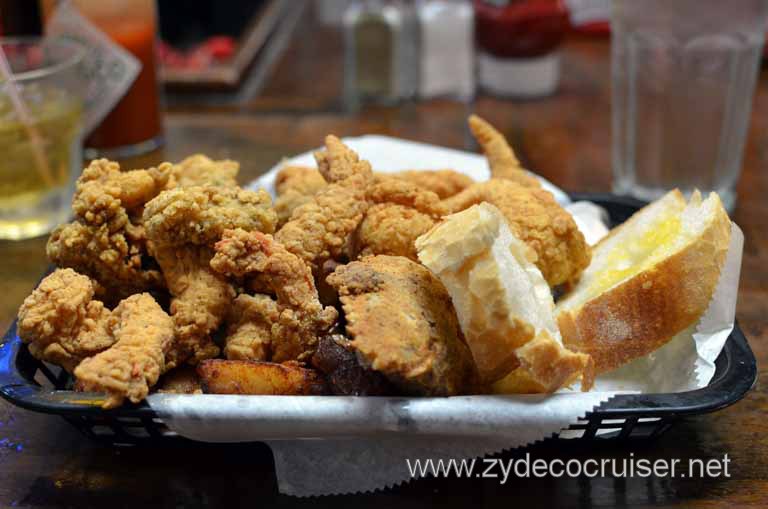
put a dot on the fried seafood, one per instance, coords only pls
(129, 368)
(295, 186)
(61, 321)
(117, 259)
(402, 324)
(399, 214)
(200, 214)
(501, 158)
(320, 229)
(102, 189)
(200, 300)
(444, 183)
(337, 162)
(301, 316)
(200, 170)
(558, 247)
(107, 240)
(183, 224)
(249, 328)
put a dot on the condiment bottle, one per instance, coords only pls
(517, 45)
(380, 51)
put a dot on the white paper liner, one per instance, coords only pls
(365, 441)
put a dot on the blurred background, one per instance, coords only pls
(595, 95)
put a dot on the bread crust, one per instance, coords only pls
(545, 366)
(469, 252)
(644, 312)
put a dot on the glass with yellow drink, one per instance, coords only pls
(40, 134)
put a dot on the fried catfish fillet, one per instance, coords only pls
(402, 323)
(130, 367)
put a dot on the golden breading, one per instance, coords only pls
(201, 299)
(144, 334)
(62, 322)
(402, 324)
(501, 158)
(200, 214)
(107, 241)
(444, 183)
(102, 189)
(320, 229)
(183, 224)
(391, 229)
(302, 318)
(249, 328)
(560, 251)
(401, 212)
(201, 170)
(118, 260)
(338, 162)
(295, 185)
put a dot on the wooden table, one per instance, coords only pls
(46, 463)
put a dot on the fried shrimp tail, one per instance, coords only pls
(501, 158)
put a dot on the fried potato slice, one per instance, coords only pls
(219, 376)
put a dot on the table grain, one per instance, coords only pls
(566, 138)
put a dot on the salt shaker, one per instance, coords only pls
(446, 29)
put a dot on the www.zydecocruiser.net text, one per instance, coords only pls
(527, 467)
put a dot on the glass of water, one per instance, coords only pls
(683, 77)
(40, 134)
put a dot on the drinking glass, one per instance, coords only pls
(683, 77)
(40, 134)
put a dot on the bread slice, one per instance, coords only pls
(649, 279)
(504, 305)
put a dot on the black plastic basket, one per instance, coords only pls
(37, 386)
